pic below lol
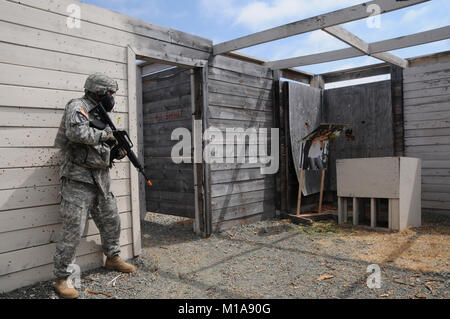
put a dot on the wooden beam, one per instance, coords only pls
(359, 44)
(357, 73)
(391, 58)
(291, 74)
(424, 37)
(374, 48)
(346, 36)
(353, 13)
(154, 67)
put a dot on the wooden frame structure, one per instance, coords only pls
(44, 64)
(330, 23)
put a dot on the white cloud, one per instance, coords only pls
(260, 15)
(413, 15)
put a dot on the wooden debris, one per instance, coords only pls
(387, 294)
(402, 283)
(99, 293)
(113, 281)
(429, 286)
(127, 288)
(324, 277)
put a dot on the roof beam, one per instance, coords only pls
(353, 13)
(375, 47)
(346, 36)
(352, 40)
(291, 74)
(356, 73)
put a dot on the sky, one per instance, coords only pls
(223, 20)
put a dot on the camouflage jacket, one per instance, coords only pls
(86, 156)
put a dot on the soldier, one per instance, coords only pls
(86, 181)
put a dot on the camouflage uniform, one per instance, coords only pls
(85, 178)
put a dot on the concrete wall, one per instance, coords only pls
(43, 64)
(426, 91)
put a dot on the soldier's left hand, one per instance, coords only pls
(122, 154)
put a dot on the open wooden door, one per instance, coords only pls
(166, 107)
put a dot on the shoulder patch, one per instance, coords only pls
(84, 113)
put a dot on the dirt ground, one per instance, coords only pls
(275, 259)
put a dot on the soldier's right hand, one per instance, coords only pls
(111, 140)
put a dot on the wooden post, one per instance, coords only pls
(300, 186)
(344, 209)
(133, 119)
(373, 217)
(342, 206)
(355, 211)
(321, 191)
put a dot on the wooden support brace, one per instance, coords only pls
(321, 191)
(300, 186)
(373, 208)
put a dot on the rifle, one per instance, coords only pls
(123, 140)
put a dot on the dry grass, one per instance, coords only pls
(424, 249)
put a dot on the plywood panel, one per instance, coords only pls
(368, 177)
(304, 116)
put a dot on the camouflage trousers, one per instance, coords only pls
(78, 200)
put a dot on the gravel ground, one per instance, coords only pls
(269, 259)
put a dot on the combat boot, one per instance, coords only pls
(63, 289)
(117, 263)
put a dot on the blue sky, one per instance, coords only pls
(222, 20)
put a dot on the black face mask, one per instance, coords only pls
(107, 102)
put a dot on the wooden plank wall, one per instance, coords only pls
(426, 93)
(367, 108)
(167, 106)
(43, 64)
(240, 95)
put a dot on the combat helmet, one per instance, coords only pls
(100, 83)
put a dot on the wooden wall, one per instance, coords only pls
(167, 106)
(43, 64)
(426, 92)
(240, 95)
(367, 108)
